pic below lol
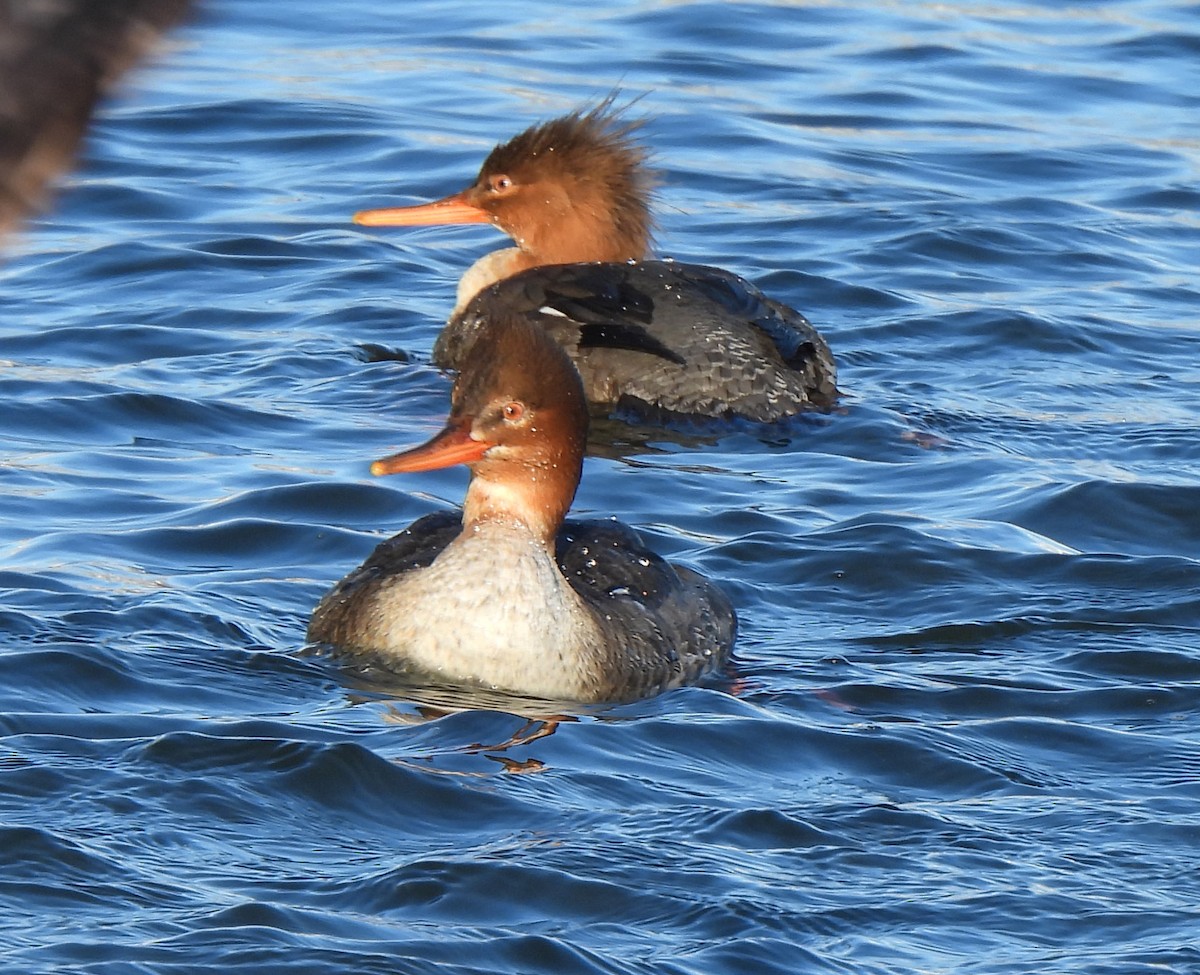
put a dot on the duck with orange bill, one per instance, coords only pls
(507, 594)
(647, 336)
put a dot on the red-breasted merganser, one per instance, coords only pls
(574, 194)
(508, 595)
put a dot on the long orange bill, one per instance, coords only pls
(450, 209)
(452, 446)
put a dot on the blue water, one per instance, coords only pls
(964, 733)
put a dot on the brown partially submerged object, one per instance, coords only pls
(574, 195)
(57, 57)
(509, 596)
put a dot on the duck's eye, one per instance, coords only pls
(513, 411)
(500, 184)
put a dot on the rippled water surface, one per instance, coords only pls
(964, 731)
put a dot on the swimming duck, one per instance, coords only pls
(508, 594)
(647, 336)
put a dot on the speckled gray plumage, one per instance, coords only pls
(651, 603)
(660, 336)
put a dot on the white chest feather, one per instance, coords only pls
(489, 269)
(492, 608)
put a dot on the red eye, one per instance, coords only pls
(500, 184)
(513, 411)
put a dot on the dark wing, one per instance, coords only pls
(605, 308)
(658, 336)
(674, 625)
(414, 548)
(581, 305)
(56, 58)
(588, 293)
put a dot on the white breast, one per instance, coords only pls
(493, 609)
